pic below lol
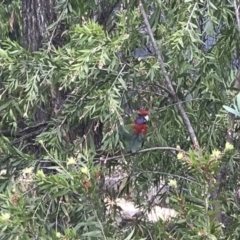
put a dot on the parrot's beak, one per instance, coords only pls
(146, 117)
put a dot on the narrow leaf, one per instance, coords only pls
(231, 110)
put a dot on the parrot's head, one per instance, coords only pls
(143, 117)
(140, 122)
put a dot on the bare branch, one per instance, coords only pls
(165, 89)
(236, 83)
(30, 135)
(223, 171)
(106, 159)
(27, 131)
(168, 81)
(236, 8)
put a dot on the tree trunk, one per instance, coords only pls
(37, 15)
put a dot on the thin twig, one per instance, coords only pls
(151, 202)
(236, 8)
(54, 30)
(165, 89)
(190, 17)
(168, 81)
(106, 159)
(223, 170)
(188, 179)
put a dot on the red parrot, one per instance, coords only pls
(140, 122)
(133, 132)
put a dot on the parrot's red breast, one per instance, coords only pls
(140, 122)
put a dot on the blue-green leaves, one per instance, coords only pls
(236, 105)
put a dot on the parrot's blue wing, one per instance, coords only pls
(137, 142)
(132, 142)
(127, 138)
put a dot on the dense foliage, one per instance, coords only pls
(61, 106)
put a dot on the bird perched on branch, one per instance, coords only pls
(132, 133)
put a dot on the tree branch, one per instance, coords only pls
(26, 133)
(236, 8)
(8, 133)
(30, 135)
(168, 81)
(105, 159)
(223, 171)
(236, 83)
(164, 89)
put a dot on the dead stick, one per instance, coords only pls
(168, 81)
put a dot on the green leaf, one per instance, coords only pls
(95, 234)
(238, 102)
(120, 79)
(60, 193)
(231, 110)
(129, 237)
